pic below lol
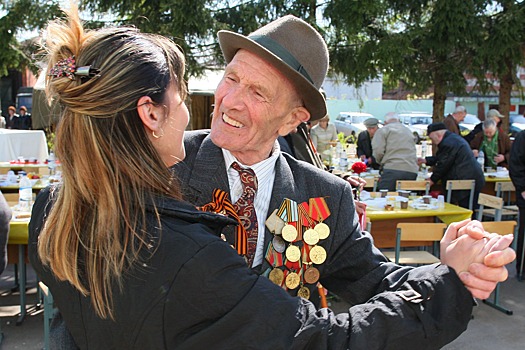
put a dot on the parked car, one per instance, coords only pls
(346, 122)
(417, 122)
(468, 124)
(517, 124)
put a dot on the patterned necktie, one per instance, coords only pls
(245, 208)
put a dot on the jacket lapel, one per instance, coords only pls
(208, 162)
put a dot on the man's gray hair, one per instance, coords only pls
(460, 109)
(489, 123)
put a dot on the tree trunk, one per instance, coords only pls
(505, 89)
(440, 94)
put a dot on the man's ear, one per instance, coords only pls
(150, 113)
(297, 116)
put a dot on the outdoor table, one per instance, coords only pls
(38, 168)
(22, 143)
(383, 228)
(18, 236)
(13, 188)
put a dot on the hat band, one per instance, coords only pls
(279, 51)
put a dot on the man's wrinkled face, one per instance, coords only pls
(254, 104)
(372, 130)
(489, 132)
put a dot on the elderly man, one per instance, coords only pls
(493, 114)
(300, 221)
(364, 143)
(453, 161)
(394, 148)
(452, 121)
(494, 143)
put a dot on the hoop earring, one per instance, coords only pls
(158, 136)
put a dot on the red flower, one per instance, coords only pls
(358, 167)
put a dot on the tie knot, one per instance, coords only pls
(247, 175)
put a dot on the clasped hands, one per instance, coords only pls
(477, 256)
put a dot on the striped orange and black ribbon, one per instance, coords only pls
(222, 205)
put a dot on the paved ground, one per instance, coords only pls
(490, 329)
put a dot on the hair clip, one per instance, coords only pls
(66, 68)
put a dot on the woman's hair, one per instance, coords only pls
(110, 169)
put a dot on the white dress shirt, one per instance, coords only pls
(265, 172)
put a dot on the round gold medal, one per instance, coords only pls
(293, 253)
(292, 280)
(311, 275)
(278, 244)
(303, 292)
(323, 230)
(311, 237)
(318, 255)
(289, 233)
(276, 276)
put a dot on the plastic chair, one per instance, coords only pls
(49, 312)
(428, 232)
(504, 190)
(502, 228)
(413, 185)
(453, 185)
(494, 203)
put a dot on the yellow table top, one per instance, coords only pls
(489, 178)
(451, 213)
(18, 232)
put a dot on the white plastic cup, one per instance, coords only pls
(441, 201)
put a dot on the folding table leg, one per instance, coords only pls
(22, 280)
(495, 303)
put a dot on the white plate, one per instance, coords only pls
(423, 206)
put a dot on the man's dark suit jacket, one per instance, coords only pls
(354, 270)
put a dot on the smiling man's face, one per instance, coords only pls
(254, 104)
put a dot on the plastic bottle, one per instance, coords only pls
(51, 163)
(25, 194)
(481, 159)
(423, 149)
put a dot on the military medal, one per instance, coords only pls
(311, 275)
(279, 244)
(276, 276)
(304, 292)
(318, 255)
(292, 280)
(323, 230)
(293, 253)
(289, 233)
(311, 237)
(274, 223)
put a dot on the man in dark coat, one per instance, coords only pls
(454, 160)
(270, 85)
(364, 143)
(452, 121)
(517, 175)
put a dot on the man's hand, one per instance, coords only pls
(478, 257)
(356, 182)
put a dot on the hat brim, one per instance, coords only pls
(313, 100)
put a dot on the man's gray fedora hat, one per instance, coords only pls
(293, 47)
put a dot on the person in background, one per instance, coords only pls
(266, 92)
(323, 135)
(5, 218)
(364, 143)
(25, 119)
(452, 121)
(453, 161)
(394, 149)
(494, 143)
(517, 175)
(493, 114)
(12, 121)
(2, 121)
